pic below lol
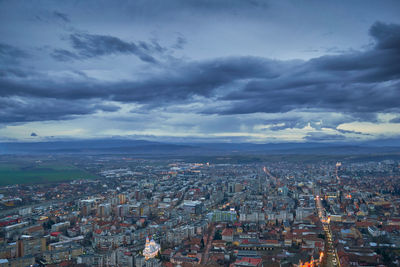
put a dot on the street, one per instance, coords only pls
(210, 238)
(331, 258)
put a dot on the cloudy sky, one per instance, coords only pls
(195, 70)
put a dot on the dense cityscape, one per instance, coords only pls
(191, 133)
(159, 212)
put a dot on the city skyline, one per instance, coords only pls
(229, 71)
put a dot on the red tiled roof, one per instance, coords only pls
(166, 252)
(217, 256)
(252, 261)
(289, 236)
(227, 232)
(55, 234)
(364, 224)
(299, 231)
(65, 263)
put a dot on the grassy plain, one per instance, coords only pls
(33, 172)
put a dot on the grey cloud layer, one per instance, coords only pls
(62, 16)
(358, 83)
(91, 45)
(11, 54)
(17, 109)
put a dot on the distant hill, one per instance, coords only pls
(143, 147)
(98, 146)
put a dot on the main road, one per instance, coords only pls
(210, 238)
(332, 258)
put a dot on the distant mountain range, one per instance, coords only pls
(142, 147)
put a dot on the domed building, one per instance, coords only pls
(151, 249)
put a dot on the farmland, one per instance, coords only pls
(36, 172)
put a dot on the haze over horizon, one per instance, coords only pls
(217, 71)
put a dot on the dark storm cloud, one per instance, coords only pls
(13, 72)
(64, 55)
(387, 35)
(11, 54)
(62, 16)
(334, 96)
(92, 45)
(200, 78)
(395, 120)
(180, 42)
(351, 132)
(204, 7)
(357, 83)
(322, 137)
(37, 109)
(106, 107)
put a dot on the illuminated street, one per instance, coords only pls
(331, 259)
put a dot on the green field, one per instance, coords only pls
(24, 173)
